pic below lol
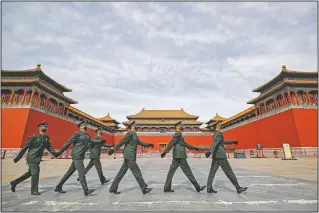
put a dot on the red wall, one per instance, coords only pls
(205, 140)
(307, 125)
(13, 122)
(298, 127)
(59, 130)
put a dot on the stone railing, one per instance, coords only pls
(166, 133)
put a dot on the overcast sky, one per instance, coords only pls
(120, 57)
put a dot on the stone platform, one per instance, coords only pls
(267, 190)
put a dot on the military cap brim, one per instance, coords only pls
(179, 123)
(131, 124)
(81, 123)
(43, 124)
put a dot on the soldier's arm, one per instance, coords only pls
(217, 138)
(26, 146)
(104, 144)
(125, 140)
(49, 147)
(172, 142)
(72, 140)
(188, 145)
(142, 143)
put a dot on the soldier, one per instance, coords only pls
(35, 146)
(220, 159)
(80, 141)
(96, 144)
(179, 159)
(131, 141)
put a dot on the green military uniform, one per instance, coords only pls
(131, 141)
(179, 159)
(220, 159)
(80, 141)
(95, 153)
(35, 146)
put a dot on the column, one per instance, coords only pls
(256, 110)
(289, 97)
(31, 98)
(66, 111)
(46, 102)
(308, 97)
(39, 99)
(283, 98)
(11, 96)
(25, 93)
(265, 108)
(276, 105)
(297, 99)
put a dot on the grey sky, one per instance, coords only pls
(121, 57)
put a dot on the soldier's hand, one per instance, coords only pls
(163, 154)
(15, 160)
(207, 154)
(110, 152)
(57, 154)
(151, 145)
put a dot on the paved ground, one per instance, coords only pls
(266, 191)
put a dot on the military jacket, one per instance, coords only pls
(179, 145)
(96, 145)
(35, 146)
(217, 147)
(80, 141)
(130, 142)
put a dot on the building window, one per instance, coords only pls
(163, 130)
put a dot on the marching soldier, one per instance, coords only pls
(179, 159)
(80, 141)
(131, 142)
(220, 159)
(95, 153)
(35, 146)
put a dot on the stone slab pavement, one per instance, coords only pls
(266, 191)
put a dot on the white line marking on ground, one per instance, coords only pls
(279, 184)
(220, 202)
(53, 203)
(30, 203)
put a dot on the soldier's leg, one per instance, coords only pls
(23, 177)
(35, 173)
(67, 175)
(119, 177)
(135, 169)
(98, 167)
(168, 183)
(212, 172)
(188, 172)
(228, 172)
(79, 166)
(89, 166)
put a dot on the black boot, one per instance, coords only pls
(169, 190)
(89, 191)
(146, 190)
(241, 189)
(35, 193)
(104, 181)
(13, 186)
(211, 191)
(60, 190)
(115, 192)
(78, 179)
(201, 188)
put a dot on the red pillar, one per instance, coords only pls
(32, 94)
(289, 97)
(265, 108)
(296, 94)
(11, 96)
(39, 99)
(25, 93)
(256, 111)
(283, 99)
(308, 97)
(276, 105)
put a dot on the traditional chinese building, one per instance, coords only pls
(30, 97)
(110, 122)
(158, 127)
(211, 124)
(286, 111)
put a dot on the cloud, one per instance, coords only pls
(121, 57)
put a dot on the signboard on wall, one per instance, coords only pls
(287, 152)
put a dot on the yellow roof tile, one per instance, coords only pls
(245, 112)
(162, 114)
(150, 122)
